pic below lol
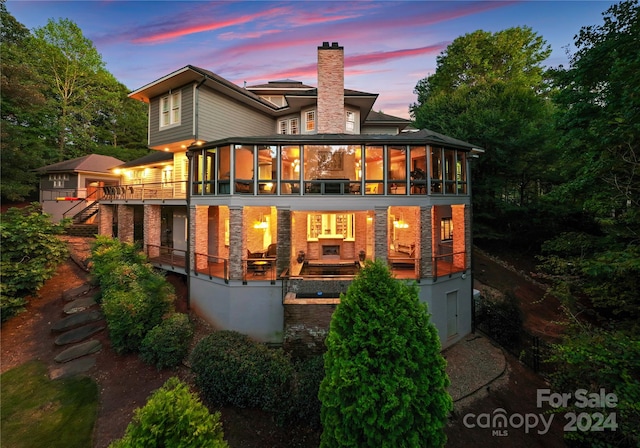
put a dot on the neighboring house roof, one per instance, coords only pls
(422, 137)
(93, 163)
(150, 159)
(381, 118)
(286, 84)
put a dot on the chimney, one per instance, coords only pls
(331, 118)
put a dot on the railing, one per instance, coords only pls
(56, 194)
(92, 197)
(449, 263)
(212, 265)
(175, 258)
(254, 269)
(158, 190)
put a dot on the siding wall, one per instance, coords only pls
(386, 130)
(220, 117)
(171, 134)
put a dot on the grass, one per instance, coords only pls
(38, 412)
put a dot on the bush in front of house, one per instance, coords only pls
(233, 370)
(167, 344)
(304, 407)
(385, 382)
(173, 417)
(31, 253)
(108, 255)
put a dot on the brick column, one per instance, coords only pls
(199, 232)
(125, 223)
(237, 246)
(426, 242)
(458, 216)
(152, 230)
(331, 118)
(105, 226)
(381, 231)
(284, 239)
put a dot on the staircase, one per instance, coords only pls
(86, 213)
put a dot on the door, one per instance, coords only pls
(452, 313)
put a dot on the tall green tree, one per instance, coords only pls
(599, 120)
(23, 143)
(490, 89)
(385, 381)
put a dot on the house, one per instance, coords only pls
(73, 188)
(270, 197)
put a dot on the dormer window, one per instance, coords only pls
(170, 110)
(310, 120)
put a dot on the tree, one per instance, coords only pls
(385, 381)
(599, 121)
(490, 89)
(23, 147)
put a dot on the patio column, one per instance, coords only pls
(461, 234)
(283, 254)
(105, 226)
(152, 226)
(426, 242)
(237, 246)
(381, 230)
(199, 231)
(125, 223)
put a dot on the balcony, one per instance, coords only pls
(142, 192)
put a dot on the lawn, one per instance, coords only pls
(39, 412)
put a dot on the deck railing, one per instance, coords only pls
(158, 190)
(165, 255)
(212, 265)
(449, 263)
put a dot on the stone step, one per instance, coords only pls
(72, 368)
(78, 334)
(76, 292)
(76, 320)
(78, 351)
(79, 305)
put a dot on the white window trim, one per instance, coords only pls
(289, 126)
(307, 121)
(174, 101)
(350, 121)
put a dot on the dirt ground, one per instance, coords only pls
(125, 382)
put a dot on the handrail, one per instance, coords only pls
(95, 192)
(213, 261)
(457, 262)
(152, 190)
(176, 257)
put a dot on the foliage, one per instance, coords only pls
(135, 297)
(503, 320)
(490, 89)
(167, 344)
(59, 102)
(594, 359)
(39, 412)
(305, 406)
(173, 417)
(233, 370)
(31, 252)
(385, 383)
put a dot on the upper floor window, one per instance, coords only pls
(351, 121)
(290, 126)
(310, 120)
(58, 180)
(170, 109)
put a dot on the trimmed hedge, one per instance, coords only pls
(233, 370)
(167, 344)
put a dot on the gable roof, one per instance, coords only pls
(93, 163)
(150, 159)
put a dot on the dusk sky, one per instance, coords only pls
(389, 46)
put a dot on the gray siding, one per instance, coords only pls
(171, 134)
(380, 129)
(220, 117)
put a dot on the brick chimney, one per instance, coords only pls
(331, 118)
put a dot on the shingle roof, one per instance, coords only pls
(95, 163)
(382, 117)
(149, 159)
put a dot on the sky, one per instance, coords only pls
(389, 45)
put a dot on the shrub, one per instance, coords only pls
(305, 405)
(108, 255)
(31, 253)
(131, 313)
(503, 320)
(385, 381)
(173, 417)
(167, 344)
(233, 370)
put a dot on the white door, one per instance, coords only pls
(452, 313)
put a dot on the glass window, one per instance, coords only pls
(170, 109)
(282, 127)
(351, 121)
(436, 170)
(290, 169)
(337, 225)
(450, 171)
(374, 170)
(418, 170)
(397, 164)
(224, 170)
(243, 180)
(267, 169)
(310, 120)
(461, 172)
(446, 229)
(209, 171)
(294, 127)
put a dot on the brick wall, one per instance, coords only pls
(237, 242)
(284, 238)
(426, 243)
(331, 118)
(105, 226)
(461, 234)
(125, 223)
(199, 231)
(306, 325)
(152, 230)
(381, 232)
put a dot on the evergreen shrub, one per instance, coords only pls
(173, 417)
(167, 344)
